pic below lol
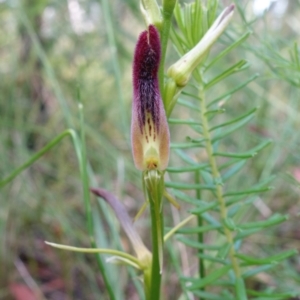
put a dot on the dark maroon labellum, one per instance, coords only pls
(145, 81)
(150, 137)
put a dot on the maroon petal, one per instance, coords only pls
(149, 128)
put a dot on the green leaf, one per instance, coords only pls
(247, 154)
(229, 223)
(233, 170)
(240, 289)
(187, 169)
(235, 155)
(229, 93)
(274, 259)
(197, 29)
(207, 295)
(261, 185)
(232, 129)
(272, 295)
(186, 198)
(185, 157)
(207, 177)
(176, 264)
(197, 129)
(40, 153)
(197, 140)
(198, 245)
(183, 122)
(210, 219)
(194, 96)
(215, 111)
(296, 55)
(203, 208)
(212, 277)
(213, 259)
(187, 186)
(239, 66)
(233, 210)
(256, 271)
(194, 230)
(225, 283)
(229, 163)
(189, 279)
(262, 145)
(251, 112)
(247, 192)
(223, 252)
(185, 145)
(178, 42)
(188, 104)
(228, 49)
(245, 233)
(273, 220)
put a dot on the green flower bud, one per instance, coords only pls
(183, 68)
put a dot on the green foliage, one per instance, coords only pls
(231, 131)
(215, 188)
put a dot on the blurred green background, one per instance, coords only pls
(54, 53)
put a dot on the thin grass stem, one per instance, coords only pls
(115, 63)
(87, 203)
(35, 157)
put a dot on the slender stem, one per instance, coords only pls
(167, 14)
(217, 179)
(155, 272)
(201, 267)
(87, 203)
(178, 226)
(164, 43)
(135, 262)
(36, 156)
(108, 20)
(155, 188)
(82, 162)
(147, 282)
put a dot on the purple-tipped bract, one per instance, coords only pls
(149, 128)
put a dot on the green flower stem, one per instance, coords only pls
(156, 232)
(147, 283)
(155, 188)
(219, 188)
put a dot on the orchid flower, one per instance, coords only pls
(150, 136)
